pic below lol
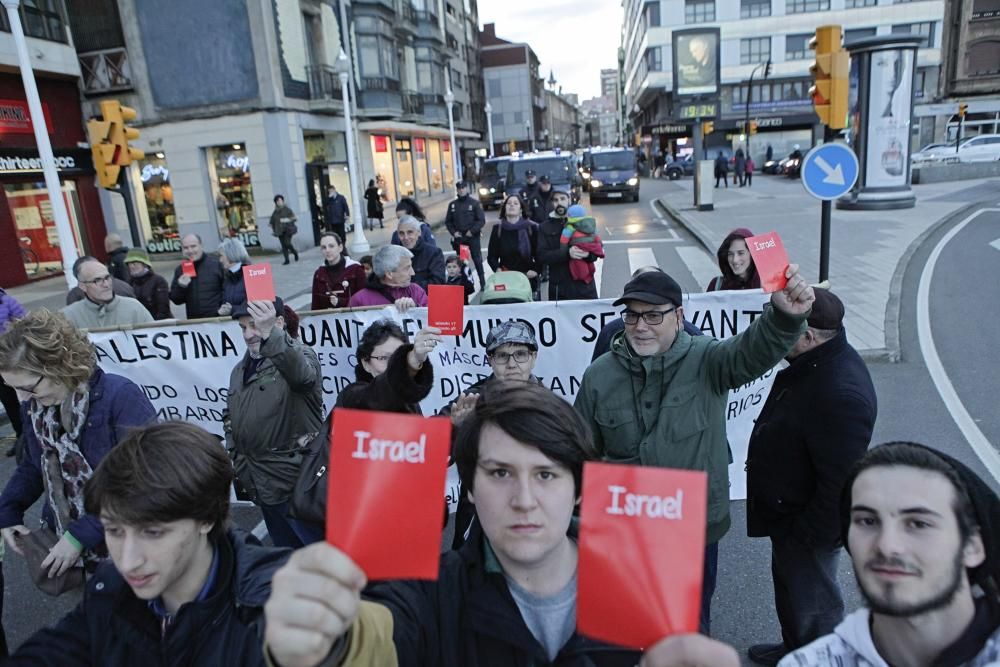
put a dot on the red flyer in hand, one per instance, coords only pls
(445, 308)
(187, 268)
(259, 282)
(385, 491)
(642, 549)
(771, 260)
(464, 253)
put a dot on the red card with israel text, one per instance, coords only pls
(187, 268)
(259, 282)
(642, 548)
(385, 492)
(771, 260)
(446, 308)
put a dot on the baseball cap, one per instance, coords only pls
(241, 310)
(506, 287)
(508, 332)
(827, 311)
(653, 287)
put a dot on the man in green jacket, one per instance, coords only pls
(275, 397)
(659, 398)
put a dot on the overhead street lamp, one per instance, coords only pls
(449, 100)
(359, 246)
(489, 124)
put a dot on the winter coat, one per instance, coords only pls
(336, 210)
(538, 205)
(426, 235)
(265, 416)
(330, 280)
(617, 325)
(817, 422)
(203, 295)
(503, 252)
(378, 294)
(551, 252)
(428, 265)
(281, 221)
(395, 390)
(740, 164)
(375, 209)
(851, 645)
(234, 290)
(465, 215)
(153, 292)
(462, 280)
(721, 166)
(116, 264)
(117, 405)
(669, 410)
(114, 628)
(10, 309)
(467, 618)
(120, 311)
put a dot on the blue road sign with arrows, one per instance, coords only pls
(829, 171)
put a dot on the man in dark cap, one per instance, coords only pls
(659, 397)
(465, 220)
(921, 529)
(816, 424)
(537, 208)
(530, 188)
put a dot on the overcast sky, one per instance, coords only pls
(576, 39)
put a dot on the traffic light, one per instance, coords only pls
(103, 152)
(963, 108)
(121, 134)
(707, 128)
(830, 74)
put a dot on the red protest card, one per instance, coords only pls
(771, 260)
(642, 548)
(465, 253)
(445, 308)
(385, 491)
(187, 268)
(259, 282)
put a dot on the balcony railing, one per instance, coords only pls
(379, 83)
(324, 83)
(412, 102)
(407, 14)
(105, 71)
(432, 98)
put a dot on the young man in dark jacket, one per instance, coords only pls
(179, 589)
(335, 213)
(556, 255)
(201, 295)
(465, 220)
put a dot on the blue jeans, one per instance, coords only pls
(708, 578)
(807, 594)
(280, 525)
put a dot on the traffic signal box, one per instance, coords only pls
(707, 127)
(830, 74)
(109, 142)
(963, 109)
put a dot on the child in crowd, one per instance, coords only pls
(581, 232)
(458, 274)
(366, 262)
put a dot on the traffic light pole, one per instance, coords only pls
(697, 156)
(125, 190)
(824, 223)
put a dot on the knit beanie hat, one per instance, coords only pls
(575, 212)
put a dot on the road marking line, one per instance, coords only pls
(996, 244)
(966, 424)
(625, 241)
(699, 263)
(656, 212)
(640, 257)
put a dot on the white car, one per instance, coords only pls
(932, 153)
(982, 148)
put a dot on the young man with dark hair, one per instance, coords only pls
(921, 529)
(179, 589)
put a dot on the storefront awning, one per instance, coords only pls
(397, 127)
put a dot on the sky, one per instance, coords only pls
(576, 39)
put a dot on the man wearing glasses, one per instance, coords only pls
(659, 397)
(102, 307)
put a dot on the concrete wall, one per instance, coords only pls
(955, 172)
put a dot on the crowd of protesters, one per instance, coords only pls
(136, 513)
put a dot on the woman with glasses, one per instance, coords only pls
(74, 413)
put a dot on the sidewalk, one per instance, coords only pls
(869, 250)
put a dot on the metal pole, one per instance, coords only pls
(125, 190)
(67, 245)
(489, 127)
(359, 246)
(697, 156)
(824, 241)
(746, 117)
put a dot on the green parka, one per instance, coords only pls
(669, 410)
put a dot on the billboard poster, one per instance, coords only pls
(890, 102)
(696, 61)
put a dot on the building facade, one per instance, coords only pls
(561, 122)
(971, 67)
(515, 92)
(241, 100)
(751, 33)
(29, 242)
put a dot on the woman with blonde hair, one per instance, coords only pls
(74, 413)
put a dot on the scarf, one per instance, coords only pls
(523, 227)
(64, 468)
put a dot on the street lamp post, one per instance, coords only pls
(489, 125)
(67, 245)
(359, 245)
(527, 131)
(449, 100)
(746, 116)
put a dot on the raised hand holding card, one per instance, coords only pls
(446, 308)
(259, 282)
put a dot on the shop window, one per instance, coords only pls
(385, 175)
(420, 163)
(447, 166)
(229, 167)
(162, 235)
(434, 159)
(404, 164)
(37, 237)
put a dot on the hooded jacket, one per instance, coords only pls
(330, 279)
(203, 295)
(114, 628)
(669, 410)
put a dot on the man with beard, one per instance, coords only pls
(557, 255)
(922, 532)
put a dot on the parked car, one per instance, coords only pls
(675, 169)
(613, 175)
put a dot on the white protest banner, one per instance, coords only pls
(185, 368)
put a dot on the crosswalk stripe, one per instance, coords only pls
(699, 263)
(640, 257)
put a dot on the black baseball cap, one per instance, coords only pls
(653, 287)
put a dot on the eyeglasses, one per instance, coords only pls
(32, 389)
(502, 358)
(650, 317)
(380, 357)
(103, 279)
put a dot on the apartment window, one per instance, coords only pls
(858, 33)
(801, 6)
(925, 30)
(919, 83)
(456, 79)
(493, 88)
(651, 15)
(429, 74)
(699, 11)
(797, 46)
(984, 58)
(755, 50)
(39, 18)
(857, 4)
(653, 60)
(378, 57)
(751, 8)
